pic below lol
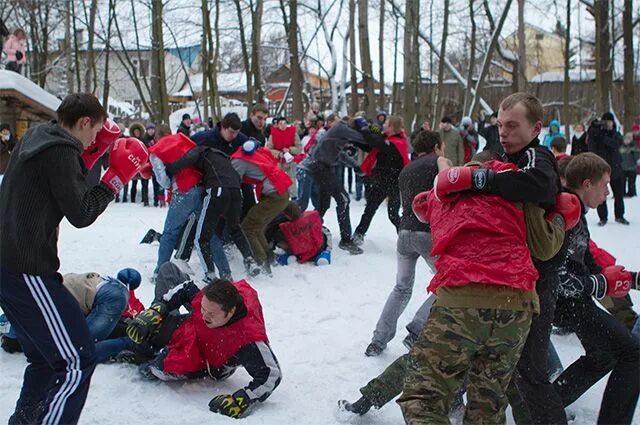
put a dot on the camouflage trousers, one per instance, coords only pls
(481, 345)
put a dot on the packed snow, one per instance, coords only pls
(13, 81)
(319, 321)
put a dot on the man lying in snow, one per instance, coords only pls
(225, 330)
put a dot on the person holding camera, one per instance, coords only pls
(15, 49)
(605, 141)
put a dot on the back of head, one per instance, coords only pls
(231, 120)
(162, 130)
(426, 142)
(78, 105)
(223, 293)
(559, 144)
(396, 123)
(586, 166)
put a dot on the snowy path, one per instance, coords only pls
(319, 321)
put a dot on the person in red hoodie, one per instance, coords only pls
(481, 318)
(284, 144)
(382, 167)
(226, 330)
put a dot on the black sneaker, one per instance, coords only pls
(409, 340)
(359, 407)
(151, 236)
(350, 247)
(602, 223)
(374, 349)
(252, 267)
(622, 220)
(358, 239)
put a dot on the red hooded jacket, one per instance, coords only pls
(171, 148)
(304, 236)
(194, 347)
(399, 141)
(263, 158)
(480, 239)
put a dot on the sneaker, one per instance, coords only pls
(359, 407)
(350, 247)
(184, 266)
(358, 239)
(622, 220)
(602, 223)
(374, 350)
(286, 259)
(151, 236)
(324, 258)
(409, 340)
(251, 266)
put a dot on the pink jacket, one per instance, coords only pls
(13, 45)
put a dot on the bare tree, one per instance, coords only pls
(629, 74)
(567, 82)
(381, 97)
(517, 74)
(365, 58)
(290, 26)
(245, 54)
(90, 74)
(158, 72)
(355, 102)
(256, 36)
(443, 53)
(410, 62)
(604, 71)
(472, 56)
(521, 76)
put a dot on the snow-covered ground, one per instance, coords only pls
(319, 321)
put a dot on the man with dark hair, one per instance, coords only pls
(226, 330)
(185, 125)
(414, 238)
(558, 147)
(452, 141)
(491, 135)
(44, 183)
(256, 125)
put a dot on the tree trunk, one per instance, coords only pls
(256, 35)
(381, 99)
(441, 60)
(90, 75)
(107, 51)
(567, 82)
(369, 104)
(214, 68)
(603, 55)
(245, 56)
(355, 102)
(629, 89)
(76, 49)
(290, 27)
(472, 56)
(158, 73)
(410, 63)
(394, 90)
(205, 73)
(67, 47)
(522, 49)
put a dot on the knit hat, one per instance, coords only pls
(250, 146)
(608, 116)
(186, 117)
(150, 125)
(130, 277)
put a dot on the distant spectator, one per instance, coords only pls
(554, 131)
(454, 147)
(256, 125)
(15, 48)
(7, 143)
(185, 125)
(469, 138)
(559, 147)
(491, 134)
(630, 162)
(579, 140)
(380, 119)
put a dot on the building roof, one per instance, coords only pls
(28, 91)
(228, 82)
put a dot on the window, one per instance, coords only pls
(539, 37)
(141, 67)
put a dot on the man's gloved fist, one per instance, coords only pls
(374, 129)
(145, 324)
(614, 281)
(461, 179)
(567, 209)
(126, 159)
(104, 139)
(419, 206)
(233, 405)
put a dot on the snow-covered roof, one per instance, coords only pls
(558, 76)
(10, 80)
(228, 82)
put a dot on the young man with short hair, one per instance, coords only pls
(46, 182)
(558, 147)
(256, 125)
(185, 125)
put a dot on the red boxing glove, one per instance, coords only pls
(618, 281)
(127, 157)
(419, 206)
(461, 179)
(146, 171)
(104, 139)
(568, 208)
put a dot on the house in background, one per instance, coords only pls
(545, 50)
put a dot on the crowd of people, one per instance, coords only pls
(484, 330)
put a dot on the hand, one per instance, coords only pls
(126, 159)
(104, 139)
(361, 123)
(145, 324)
(233, 405)
(444, 163)
(19, 55)
(461, 179)
(287, 157)
(614, 281)
(146, 171)
(419, 206)
(567, 209)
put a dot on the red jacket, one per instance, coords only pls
(264, 159)
(283, 139)
(304, 236)
(399, 142)
(171, 148)
(479, 239)
(601, 256)
(194, 347)
(134, 307)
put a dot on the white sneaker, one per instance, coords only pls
(183, 266)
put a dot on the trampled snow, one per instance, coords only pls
(319, 321)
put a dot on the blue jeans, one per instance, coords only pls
(636, 328)
(111, 300)
(180, 208)
(108, 348)
(306, 189)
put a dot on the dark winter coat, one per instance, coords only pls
(250, 130)
(579, 144)
(630, 155)
(415, 178)
(45, 182)
(213, 139)
(606, 144)
(184, 129)
(215, 165)
(5, 152)
(328, 148)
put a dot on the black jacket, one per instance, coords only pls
(45, 182)
(184, 129)
(215, 165)
(606, 144)
(388, 159)
(250, 130)
(328, 148)
(416, 177)
(579, 144)
(213, 139)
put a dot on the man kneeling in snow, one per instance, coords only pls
(225, 330)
